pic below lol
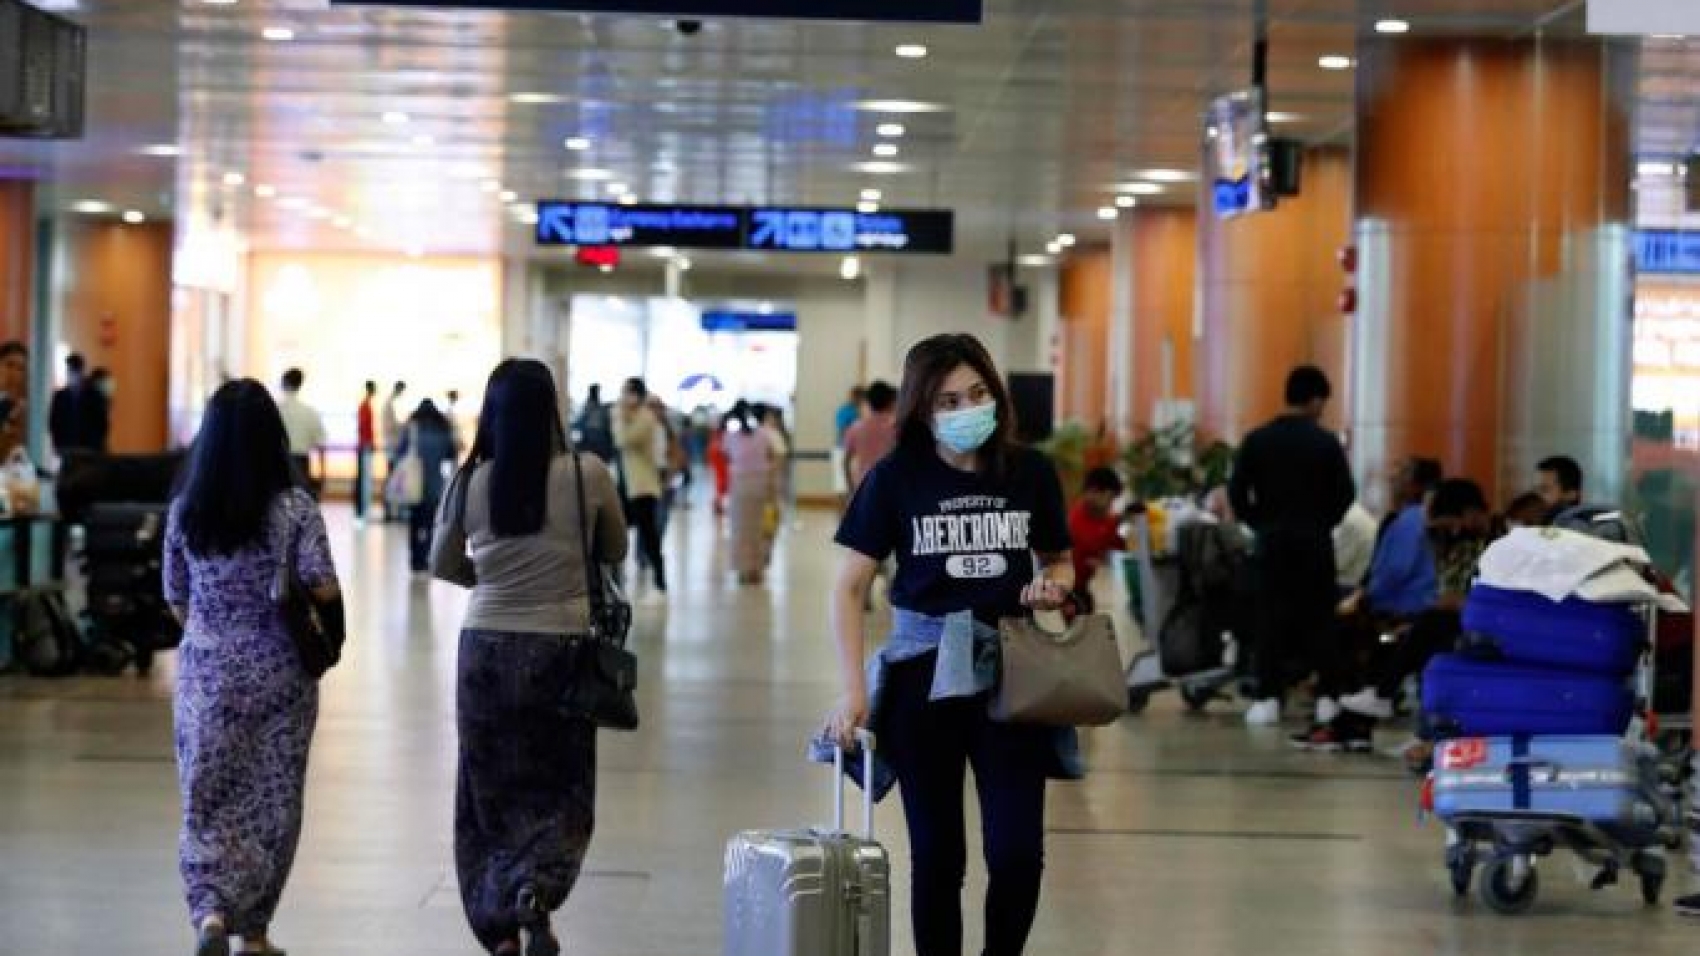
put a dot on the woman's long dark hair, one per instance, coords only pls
(238, 467)
(519, 434)
(928, 364)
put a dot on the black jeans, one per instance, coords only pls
(645, 515)
(421, 522)
(930, 745)
(1296, 631)
(362, 481)
(1431, 633)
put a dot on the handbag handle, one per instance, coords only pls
(592, 579)
(1070, 634)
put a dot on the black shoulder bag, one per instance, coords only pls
(317, 627)
(604, 682)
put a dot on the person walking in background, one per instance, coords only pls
(720, 465)
(1095, 529)
(842, 421)
(509, 529)
(872, 437)
(428, 439)
(391, 437)
(675, 467)
(594, 429)
(365, 444)
(957, 473)
(65, 411)
(1291, 484)
(97, 409)
(451, 411)
(638, 437)
(244, 707)
(751, 468)
(306, 429)
(772, 422)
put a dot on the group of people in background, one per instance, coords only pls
(79, 417)
(1360, 606)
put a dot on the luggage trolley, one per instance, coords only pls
(1505, 844)
(1158, 587)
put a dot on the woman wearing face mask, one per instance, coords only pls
(966, 512)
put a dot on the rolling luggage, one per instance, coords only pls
(1603, 780)
(811, 892)
(1470, 698)
(1527, 628)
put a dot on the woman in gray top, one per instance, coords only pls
(509, 528)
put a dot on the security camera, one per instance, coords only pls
(688, 28)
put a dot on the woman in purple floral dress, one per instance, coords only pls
(245, 707)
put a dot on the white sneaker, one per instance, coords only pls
(1264, 713)
(1327, 708)
(1369, 704)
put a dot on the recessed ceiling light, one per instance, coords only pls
(899, 106)
(1655, 169)
(628, 199)
(1126, 202)
(850, 268)
(537, 98)
(663, 252)
(1066, 240)
(1166, 175)
(265, 192)
(219, 3)
(396, 118)
(1393, 26)
(912, 51)
(278, 34)
(589, 175)
(1335, 61)
(886, 150)
(234, 179)
(1053, 247)
(577, 144)
(881, 168)
(619, 189)
(509, 195)
(134, 218)
(1670, 36)
(530, 218)
(92, 207)
(683, 263)
(1108, 212)
(867, 208)
(892, 130)
(1140, 189)
(161, 149)
(872, 195)
(1035, 262)
(1275, 116)
(605, 269)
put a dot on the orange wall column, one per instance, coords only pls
(1084, 338)
(17, 258)
(1164, 250)
(1269, 285)
(1492, 222)
(117, 313)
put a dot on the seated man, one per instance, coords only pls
(1558, 480)
(1459, 528)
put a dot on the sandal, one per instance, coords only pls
(212, 939)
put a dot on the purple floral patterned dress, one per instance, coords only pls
(244, 713)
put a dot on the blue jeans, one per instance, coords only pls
(930, 745)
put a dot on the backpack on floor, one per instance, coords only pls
(48, 642)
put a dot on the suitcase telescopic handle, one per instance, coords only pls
(865, 738)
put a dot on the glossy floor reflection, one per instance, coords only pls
(1194, 836)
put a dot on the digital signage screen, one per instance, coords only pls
(1236, 155)
(896, 11)
(758, 229)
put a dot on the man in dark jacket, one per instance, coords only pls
(1292, 485)
(64, 412)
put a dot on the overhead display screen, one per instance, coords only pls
(897, 11)
(759, 229)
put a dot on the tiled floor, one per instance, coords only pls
(1192, 836)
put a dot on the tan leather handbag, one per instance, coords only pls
(1071, 679)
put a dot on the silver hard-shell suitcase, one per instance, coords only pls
(811, 892)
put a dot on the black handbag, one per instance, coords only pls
(317, 627)
(604, 677)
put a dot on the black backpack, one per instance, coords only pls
(48, 644)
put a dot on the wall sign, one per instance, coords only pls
(1643, 17)
(761, 229)
(899, 11)
(1667, 252)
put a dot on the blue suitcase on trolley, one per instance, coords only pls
(1604, 780)
(1527, 628)
(1463, 697)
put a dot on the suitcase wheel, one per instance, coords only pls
(1461, 866)
(1652, 871)
(1510, 884)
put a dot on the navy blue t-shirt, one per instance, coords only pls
(964, 541)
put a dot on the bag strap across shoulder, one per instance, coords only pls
(592, 579)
